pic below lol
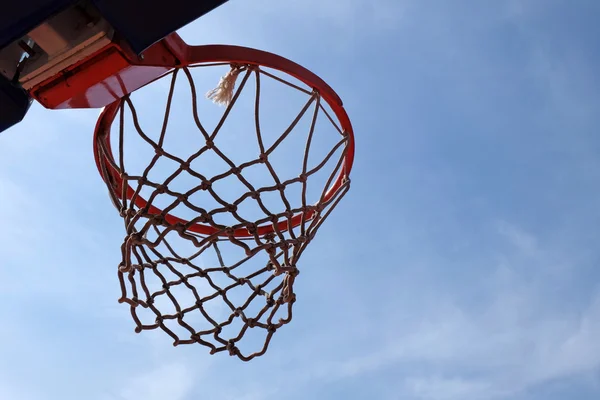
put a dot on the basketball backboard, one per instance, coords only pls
(53, 34)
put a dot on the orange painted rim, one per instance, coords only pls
(190, 55)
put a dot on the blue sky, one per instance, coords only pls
(463, 264)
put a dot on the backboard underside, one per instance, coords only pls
(40, 38)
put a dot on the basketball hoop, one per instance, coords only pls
(277, 239)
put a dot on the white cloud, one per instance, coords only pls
(440, 388)
(523, 241)
(8, 390)
(514, 353)
(577, 352)
(172, 381)
(510, 340)
(511, 336)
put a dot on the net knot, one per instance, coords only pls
(124, 267)
(270, 301)
(158, 219)
(252, 228)
(271, 249)
(180, 227)
(201, 273)
(136, 239)
(205, 218)
(289, 298)
(182, 197)
(233, 350)
(301, 239)
(205, 185)
(270, 237)
(310, 209)
(138, 267)
(185, 165)
(161, 189)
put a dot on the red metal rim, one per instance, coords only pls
(190, 55)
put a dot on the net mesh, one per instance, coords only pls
(202, 281)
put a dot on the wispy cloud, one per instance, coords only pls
(174, 381)
(440, 388)
(521, 240)
(508, 342)
(463, 264)
(507, 353)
